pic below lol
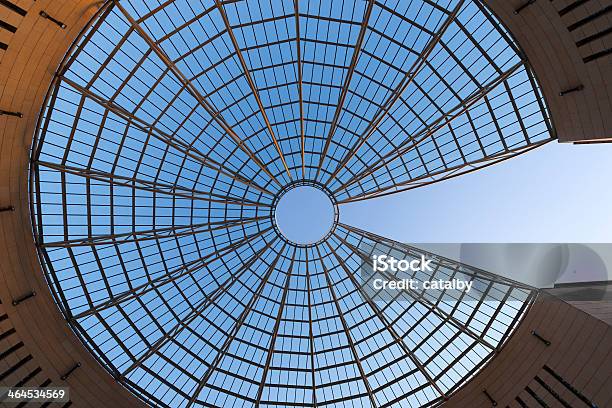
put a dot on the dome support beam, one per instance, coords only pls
(298, 48)
(196, 312)
(388, 326)
(195, 92)
(236, 328)
(383, 111)
(174, 142)
(347, 81)
(441, 122)
(254, 90)
(169, 277)
(347, 333)
(274, 335)
(150, 186)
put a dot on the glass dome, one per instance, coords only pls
(173, 127)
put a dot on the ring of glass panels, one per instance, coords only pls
(170, 128)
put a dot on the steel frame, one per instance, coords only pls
(154, 184)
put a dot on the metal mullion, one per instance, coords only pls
(235, 329)
(171, 276)
(516, 111)
(442, 323)
(196, 312)
(449, 87)
(347, 81)
(388, 64)
(281, 75)
(155, 233)
(479, 304)
(109, 58)
(493, 317)
(438, 124)
(357, 361)
(394, 41)
(178, 144)
(533, 295)
(85, 36)
(258, 22)
(477, 45)
(396, 337)
(402, 17)
(200, 46)
(194, 91)
(510, 41)
(469, 270)
(457, 358)
(138, 184)
(418, 322)
(164, 111)
(114, 336)
(539, 97)
(274, 333)
(203, 362)
(389, 363)
(154, 11)
(126, 318)
(318, 41)
(251, 83)
(454, 321)
(409, 77)
(433, 139)
(455, 172)
(177, 366)
(184, 25)
(173, 283)
(298, 47)
(158, 377)
(89, 211)
(382, 135)
(45, 119)
(73, 129)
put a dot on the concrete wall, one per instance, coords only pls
(551, 34)
(580, 353)
(36, 344)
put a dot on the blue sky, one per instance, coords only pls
(556, 193)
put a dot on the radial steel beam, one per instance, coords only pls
(235, 329)
(298, 47)
(440, 123)
(347, 333)
(175, 231)
(410, 75)
(150, 186)
(208, 107)
(196, 311)
(187, 268)
(347, 81)
(274, 335)
(432, 306)
(473, 271)
(310, 333)
(176, 143)
(446, 174)
(388, 326)
(254, 90)
(419, 297)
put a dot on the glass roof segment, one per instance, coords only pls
(172, 129)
